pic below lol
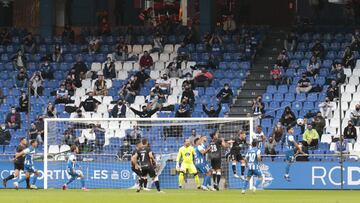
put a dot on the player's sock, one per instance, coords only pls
(27, 182)
(205, 181)
(197, 180)
(208, 178)
(70, 180)
(157, 183)
(233, 166)
(242, 169)
(214, 177)
(218, 177)
(287, 169)
(246, 184)
(22, 179)
(34, 179)
(181, 178)
(145, 181)
(82, 182)
(10, 177)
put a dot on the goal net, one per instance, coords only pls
(106, 145)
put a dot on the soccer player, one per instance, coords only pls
(215, 156)
(137, 171)
(186, 154)
(144, 160)
(238, 144)
(28, 165)
(253, 158)
(18, 164)
(200, 162)
(291, 147)
(73, 169)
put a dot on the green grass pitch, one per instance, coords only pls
(177, 196)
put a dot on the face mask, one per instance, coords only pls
(357, 109)
(13, 111)
(37, 78)
(226, 88)
(3, 127)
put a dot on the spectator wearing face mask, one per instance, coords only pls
(109, 68)
(13, 119)
(318, 50)
(276, 75)
(303, 85)
(326, 108)
(337, 71)
(173, 71)
(145, 113)
(332, 91)
(142, 76)
(258, 106)
(127, 93)
(283, 59)
(5, 135)
(310, 137)
(158, 44)
(225, 94)
(183, 110)
(203, 78)
(36, 84)
(100, 86)
(125, 151)
(278, 132)
(78, 114)
(146, 61)
(288, 118)
(313, 67)
(57, 55)
(319, 124)
(188, 96)
(135, 135)
(23, 102)
(62, 95)
(212, 112)
(50, 111)
(68, 138)
(348, 59)
(355, 115)
(119, 110)
(21, 79)
(90, 103)
(270, 146)
(159, 93)
(350, 133)
(164, 84)
(152, 100)
(46, 70)
(19, 60)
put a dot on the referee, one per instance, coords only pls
(18, 163)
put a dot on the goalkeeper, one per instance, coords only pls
(186, 154)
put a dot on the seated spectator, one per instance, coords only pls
(5, 37)
(259, 136)
(68, 138)
(337, 70)
(355, 45)
(70, 85)
(109, 68)
(313, 67)
(350, 133)
(80, 68)
(23, 102)
(99, 137)
(50, 111)
(288, 118)
(125, 151)
(104, 26)
(121, 52)
(203, 78)
(68, 35)
(2, 96)
(145, 113)
(258, 106)
(183, 110)
(283, 59)
(188, 82)
(13, 119)
(39, 122)
(173, 71)
(326, 108)
(278, 133)
(78, 114)
(158, 44)
(90, 103)
(212, 112)
(127, 93)
(146, 61)
(270, 146)
(229, 25)
(28, 45)
(57, 55)
(19, 60)
(62, 95)
(193, 136)
(5, 136)
(119, 110)
(159, 93)
(21, 79)
(333, 91)
(318, 50)
(33, 133)
(348, 59)
(276, 75)
(36, 84)
(355, 115)
(183, 52)
(100, 88)
(290, 42)
(225, 95)
(310, 137)
(94, 45)
(188, 96)
(303, 85)
(152, 101)
(47, 72)
(164, 84)
(88, 138)
(135, 135)
(142, 76)
(319, 124)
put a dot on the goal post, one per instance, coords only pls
(101, 139)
